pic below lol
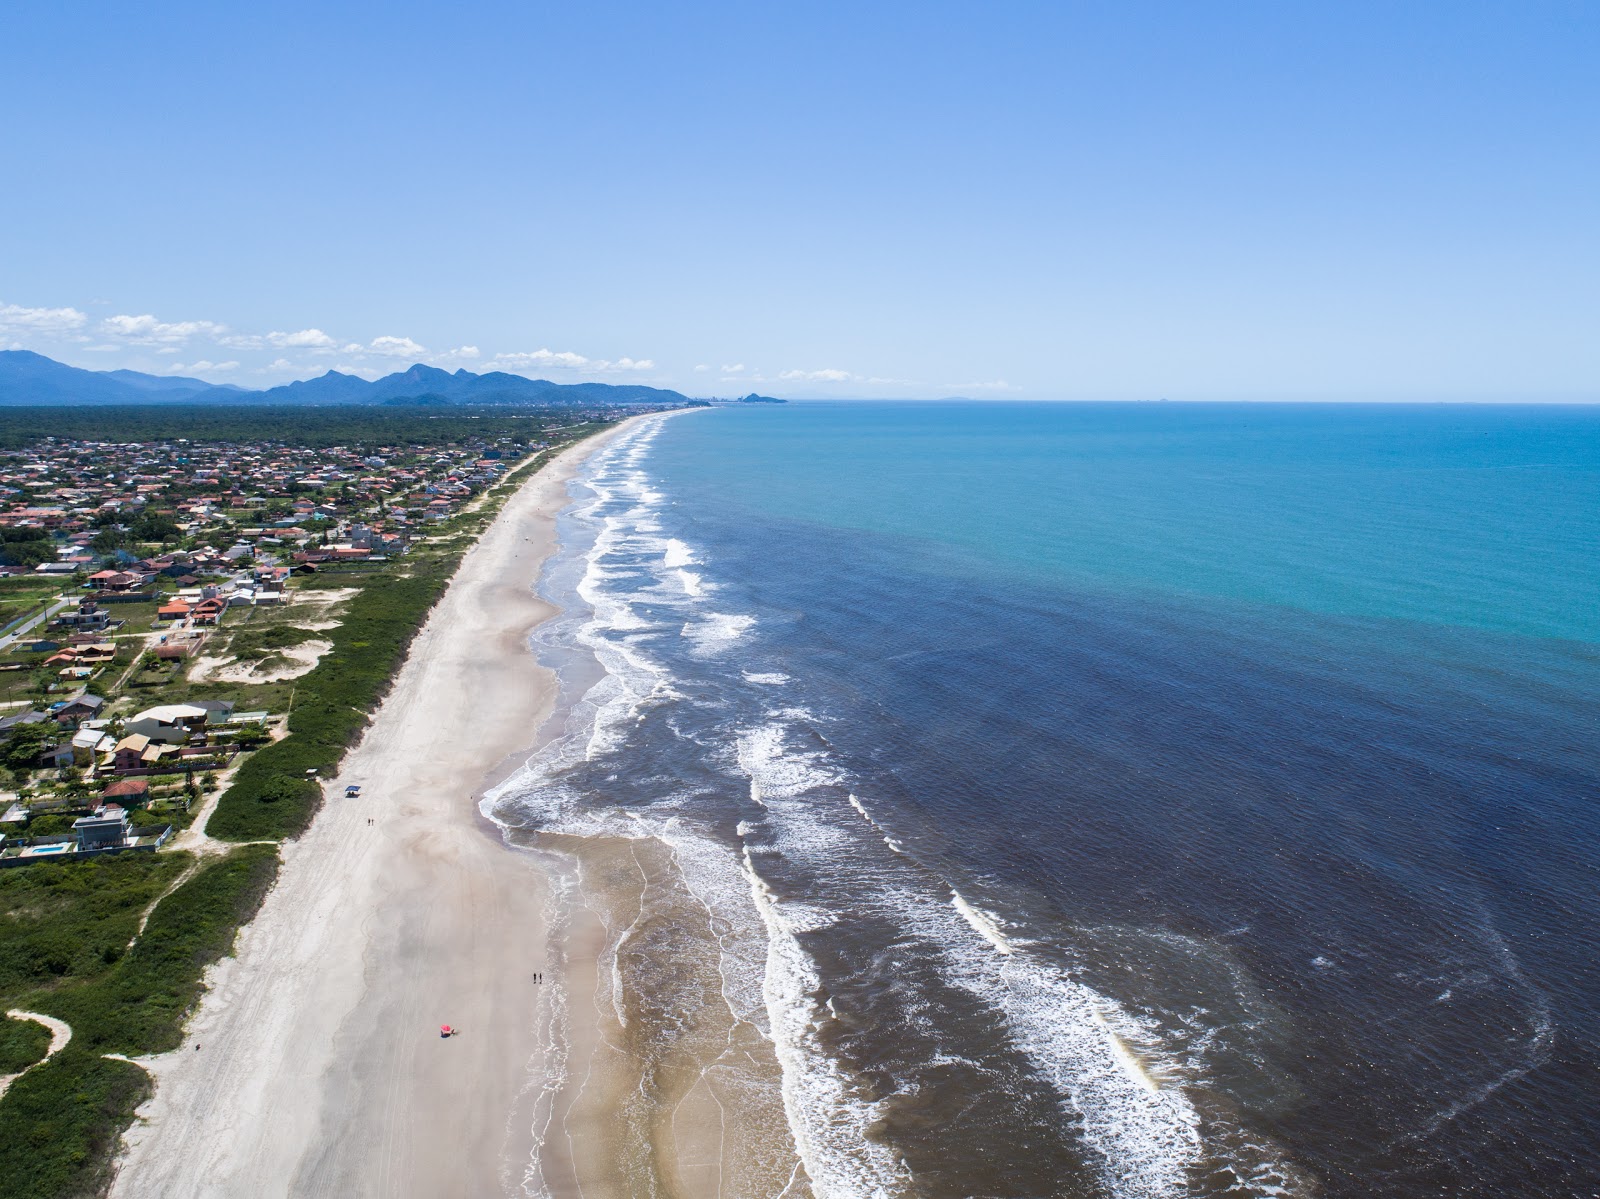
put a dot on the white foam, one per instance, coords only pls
(1143, 1131)
(1102, 1061)
(1145, 1134)
(985, 923)
(828, 1119)
(767, 678)
(717, 631)
(775, 768)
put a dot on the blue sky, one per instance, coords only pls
(1199, 201)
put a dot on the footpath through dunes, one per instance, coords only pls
(60, 1033)
(314, 1065)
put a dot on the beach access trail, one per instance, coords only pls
(314, 1065)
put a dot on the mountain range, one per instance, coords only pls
(27, 378)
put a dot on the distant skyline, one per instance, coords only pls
(1065, 201)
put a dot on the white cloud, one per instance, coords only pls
(305, 339)
(826, 375)
(546, 359)
(177, 368)
(396, 347)
(146, 330)
(701, 368)
(123, 332)
(43, 322)
(735, 369)
(539, 359)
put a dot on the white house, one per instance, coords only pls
(170, 723)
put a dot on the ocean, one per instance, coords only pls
(1125, 800)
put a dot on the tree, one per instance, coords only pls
(27, 741)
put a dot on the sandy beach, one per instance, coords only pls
(314, 1066)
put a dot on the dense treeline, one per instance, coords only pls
(26, 547)
(312, 427)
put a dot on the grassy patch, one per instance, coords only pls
(23, 596)
(61, 1125)
(67, 922)
(140, 1004)
(256, 643)
(61, 1120)
(22, 1042)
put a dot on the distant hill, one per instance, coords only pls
(29, 378)
(163, 383)
(461, 387)
(753, 398)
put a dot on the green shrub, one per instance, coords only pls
(58, 919)
(22, 1042)
(139, 1006)
(62, 1122)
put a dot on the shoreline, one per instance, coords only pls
(314, 1063)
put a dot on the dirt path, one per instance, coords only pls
(60, 1034)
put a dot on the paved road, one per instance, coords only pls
(33, 621)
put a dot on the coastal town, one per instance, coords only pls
(159, 600)
(208, 620)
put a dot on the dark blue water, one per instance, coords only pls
(1139, 799)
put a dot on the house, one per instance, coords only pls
(106, 829)
(115, 580)
(9, 723)
(129, 792)
(138, 752)
(88, 619)
(87, 743)
(58, 757)
(80, 707)
(218, 711)
(175, 610)
(95, 653)
(173, 724)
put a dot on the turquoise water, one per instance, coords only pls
(1478, 516)
(1140, 800)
